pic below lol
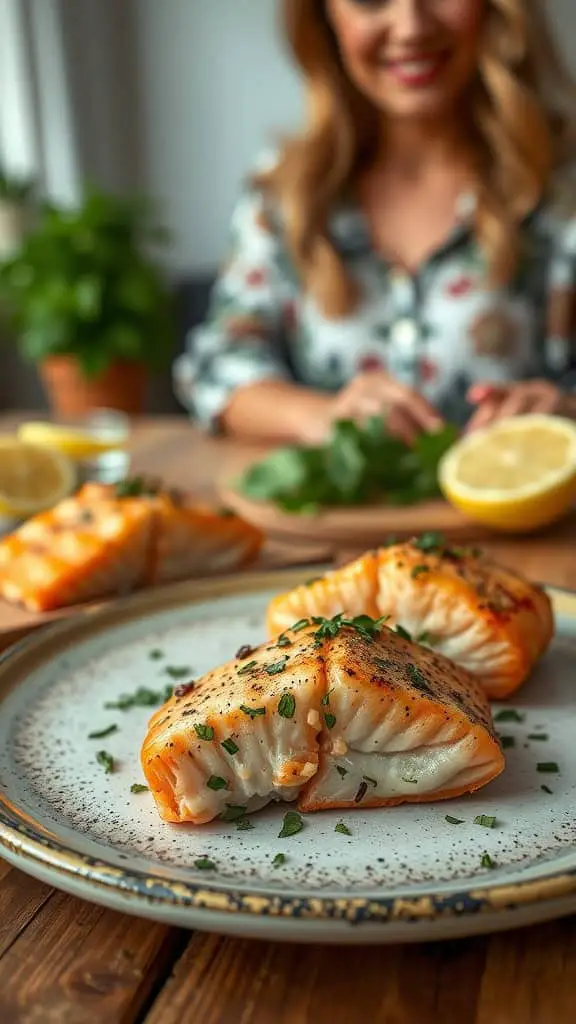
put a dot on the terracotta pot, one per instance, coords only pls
(121, 387)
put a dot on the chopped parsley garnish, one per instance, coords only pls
(418, 570)
(230, 747)
(244, 824)
(343, 829)
(104, 733)
(107, 761)
(253, 712)
(508, 715)
(287, 706)
(204, 732)
(141, 698)
(279, 860)
(548, 766)
(487, 861)
(156, 655)
(246, 668)
(364, 625)
(325, 702)
(330, 720)
(205, 864)
(283, 641)
(216, 782)
(546, 789)
(300, 625)
(137, 787)
(178, 671)
(278, 666)
(403, 633)
(507, 741)
(542, 736)
(430, 542)
(488, 821)
(454, 821)
(233, 812)
(342, 772)
(244, 652)
(292, 825)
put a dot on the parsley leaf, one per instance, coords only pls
(287, 706)
(107, 761)
(204, 732)
(343, 829)
(137, 787)
(293, 824)
(104, 733)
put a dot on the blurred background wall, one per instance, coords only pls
(174, 97)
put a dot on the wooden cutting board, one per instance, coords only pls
(355, 527)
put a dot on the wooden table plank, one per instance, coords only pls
(21, 897)
(80, 964)
(231, 981)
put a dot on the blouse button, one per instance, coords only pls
(404, 335)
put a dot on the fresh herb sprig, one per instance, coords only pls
(359, 464)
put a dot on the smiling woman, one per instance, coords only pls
(416, 244)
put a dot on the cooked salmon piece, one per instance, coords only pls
(109, 540)
(76, 553)
(488, 619)
(334, 714)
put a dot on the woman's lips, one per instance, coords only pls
(416, 72)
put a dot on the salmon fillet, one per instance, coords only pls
(332, 715)
(485, 617)
(107, 541)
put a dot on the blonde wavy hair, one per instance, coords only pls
(520, 112)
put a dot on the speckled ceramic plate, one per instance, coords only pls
(404, 873)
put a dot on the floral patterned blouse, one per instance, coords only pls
(438, 330)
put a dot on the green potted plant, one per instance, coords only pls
(15, 196)
(89, 305)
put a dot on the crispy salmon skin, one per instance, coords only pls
(335, 713)
(485, 617)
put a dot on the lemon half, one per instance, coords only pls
(518, 474)
(77, 444)
(32, 478)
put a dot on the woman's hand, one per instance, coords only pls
(407, 413)
(498, 401)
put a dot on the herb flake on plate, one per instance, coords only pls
(543, 737)
(292, 824)
(343, 829)
(106, 761)
(141, 698)
(137, 787)
(487, 862)
(508, 715)
(454, 821)
(548, 766)
(279, 860)
(233, 812)
(546, 789)
(205, 864)
(487, 820)
(507, 742)
(104, 733)
(178, 671)
(156, 655)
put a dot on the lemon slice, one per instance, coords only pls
(77, 444)
(518, 474)
(32, 478)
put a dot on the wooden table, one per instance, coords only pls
(63, 961)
